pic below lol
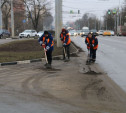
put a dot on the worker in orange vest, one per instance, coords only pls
(46, 41)
(66, 41)
(92, 46)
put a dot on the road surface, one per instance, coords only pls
(68, 88)
(111, 56)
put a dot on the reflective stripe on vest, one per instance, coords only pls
(61, 36)
(64, 38)
(48, 41)
(93, 42)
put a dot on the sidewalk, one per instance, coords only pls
(71, 87)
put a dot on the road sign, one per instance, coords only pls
(114, 11)
(24, 21)
(71, 12)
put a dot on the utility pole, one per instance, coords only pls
(88, 23)
(0, 15)
(95, 23)
(115, 23)
(12, 18)
(106, 24)
(120, 18)
(58, 21)
(100, 23)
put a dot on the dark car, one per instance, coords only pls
(85, 32)
(4, 33)
(94, 32)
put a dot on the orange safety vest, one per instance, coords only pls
(93, 42)
(48, 41)
(64, 38)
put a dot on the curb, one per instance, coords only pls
(59, 57)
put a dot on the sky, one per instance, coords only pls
(96, 7)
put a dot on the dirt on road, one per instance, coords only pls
(71, 87)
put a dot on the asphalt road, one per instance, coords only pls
(111, 56)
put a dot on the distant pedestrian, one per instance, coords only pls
(92, 46)
(66, 41)
(46, 41)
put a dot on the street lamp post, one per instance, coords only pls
(119, 13)
(58, 21)
(12, 19)
(95, 23)
(100, 22)
(0, 15)
(106, 24)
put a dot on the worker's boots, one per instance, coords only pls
(93, 60)
(48, 66)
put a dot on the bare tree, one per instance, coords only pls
(87, 20)
(6, 13)
(3, 2)
(47, 21)
(109, 21)
(35, 8)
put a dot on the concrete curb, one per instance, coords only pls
(59, 57)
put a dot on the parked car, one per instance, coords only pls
(79, 32)
(121, 31)
(73, 33)
(4, 33)
(107, 33)
(85, 32)
(94, 31)
(40, 33)
(112, 33)
(28, 34)
(85, 28)
(100, 32)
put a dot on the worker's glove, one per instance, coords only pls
(92, 45)
(61, 39)
(47, 48)
(88, 44)
(64, 44)
(43, 45)
(40, 43)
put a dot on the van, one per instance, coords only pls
(121, 31)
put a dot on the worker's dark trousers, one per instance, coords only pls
(66, 50)
(49, 56)
(93, 54)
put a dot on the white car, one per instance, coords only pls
(28, 34)
(79, 32)
(85, 32)
(73, 33)
(100, 32)
(40, 33)
(112, 33)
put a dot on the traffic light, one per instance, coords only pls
(109, 12)
(78, 11)
(71, 12)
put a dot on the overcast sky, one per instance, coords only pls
(96, 7)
